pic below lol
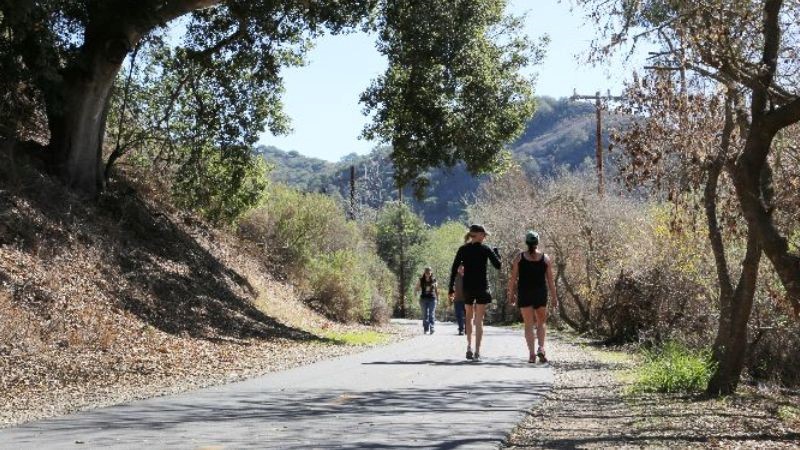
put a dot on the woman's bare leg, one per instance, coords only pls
(529, 324)
(468, 325)
(541, 320)
(480, 311)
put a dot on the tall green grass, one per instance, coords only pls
(673, 368)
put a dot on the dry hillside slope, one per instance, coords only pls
(126, 298)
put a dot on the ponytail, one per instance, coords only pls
(466, 238)
(532, 248)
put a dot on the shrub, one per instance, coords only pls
(383, 284)
(674, 368)
(654, 305)
(332, 261)
(292, 227)
(773, 352)
(623, 273)
(219, 187)
(340, 288)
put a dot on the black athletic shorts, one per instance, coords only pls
(479, 297)
(536, 298)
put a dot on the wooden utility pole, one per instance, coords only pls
(598, 134)
(352, 212)
(402, 275)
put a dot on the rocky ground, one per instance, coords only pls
(591, 406)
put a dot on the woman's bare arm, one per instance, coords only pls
(512, 281)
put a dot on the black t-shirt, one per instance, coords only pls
(474, 257)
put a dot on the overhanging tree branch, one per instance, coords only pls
(784, 116)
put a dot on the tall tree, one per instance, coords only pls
(680, 147)
(454, 90)
(67, 54)
(400, 236)
(751, 49)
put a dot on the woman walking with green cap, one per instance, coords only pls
(530, 283)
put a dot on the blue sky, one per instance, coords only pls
(322, 97)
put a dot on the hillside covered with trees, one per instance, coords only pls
(561, 135)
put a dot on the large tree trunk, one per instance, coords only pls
(752, 172)
(78, 121)
(730, 344)
(736, 303)
(76, 85)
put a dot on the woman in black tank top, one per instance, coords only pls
(528, 286)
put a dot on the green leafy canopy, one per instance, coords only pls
(454, 89)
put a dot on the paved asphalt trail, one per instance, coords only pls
(420, 393)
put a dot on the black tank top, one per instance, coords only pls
(531, 274)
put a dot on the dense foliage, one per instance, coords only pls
(635, 269)
(716, 111)
(400, 236)
(210, 79)
(560, 134)
(453, 91)
(333, 262)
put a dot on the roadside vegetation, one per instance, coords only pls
(673, 368)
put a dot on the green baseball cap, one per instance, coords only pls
(532, 238)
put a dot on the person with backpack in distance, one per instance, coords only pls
(458, 300)
(427, 285)
(530, 283)
(473, 256)
(458, 297)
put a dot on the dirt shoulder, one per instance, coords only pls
(591, 406)
(61, 382)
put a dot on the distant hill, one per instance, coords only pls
(561, 134)
(294, 169)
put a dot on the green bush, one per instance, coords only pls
(341, 289)
(384, 286)
(332, 261)
(294, 226)
(674, 368)
(221, 191)
(400, 231)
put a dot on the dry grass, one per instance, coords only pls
(591, 406)
(123, 298)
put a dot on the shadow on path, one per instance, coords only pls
(302, 418)
(483, 362)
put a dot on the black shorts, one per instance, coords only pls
(536, 299)
(477, 297)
